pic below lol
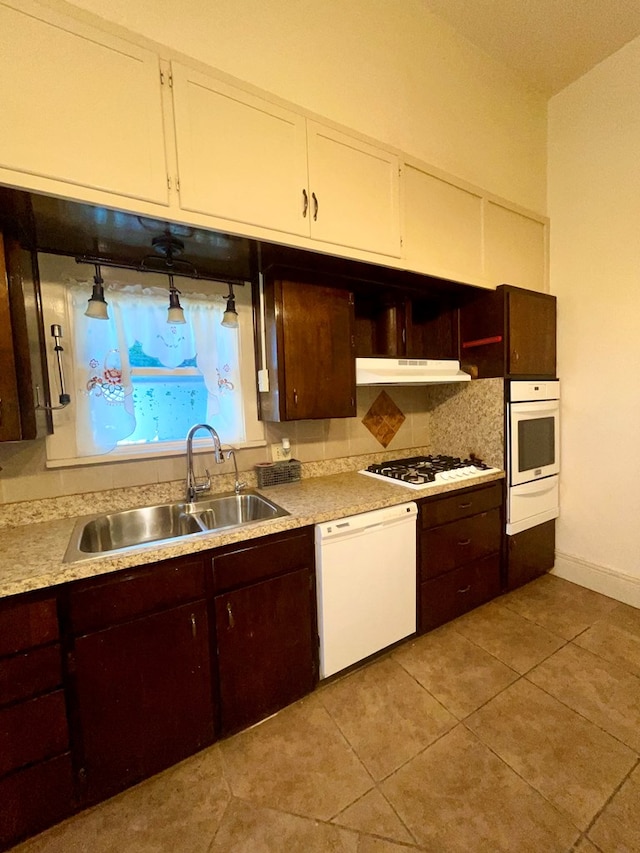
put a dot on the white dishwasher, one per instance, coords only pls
(366, 581)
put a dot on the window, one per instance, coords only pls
(137, 383)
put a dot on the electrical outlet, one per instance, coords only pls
(279, 454)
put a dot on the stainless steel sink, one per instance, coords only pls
(130, 529)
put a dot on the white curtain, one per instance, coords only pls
(104, 401)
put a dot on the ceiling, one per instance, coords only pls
(548, 43)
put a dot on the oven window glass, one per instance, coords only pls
(536, 446)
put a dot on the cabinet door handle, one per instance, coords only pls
(315, 206)
(466, 589)
(464, 542)
(194, 627)
(515, 355)
(295, 397)
(305, 203)
(230, 619)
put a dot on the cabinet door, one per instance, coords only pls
(144, 696)
(354, 192)
(34, 798)
(531, 320)
(96, 99)
(530, 554)
(442, 227)
(450, 595)
(10, 427)
(239, 157)
(266, 647)
(316, 364)
(515, 248)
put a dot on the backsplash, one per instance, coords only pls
(437, 419)
(468, 419)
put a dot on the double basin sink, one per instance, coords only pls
(103, 535)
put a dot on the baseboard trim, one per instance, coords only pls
(622, 587)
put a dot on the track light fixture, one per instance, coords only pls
(230, 317)
(175, 314)
(97, 305)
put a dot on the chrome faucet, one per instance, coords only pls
(194, 488)
(237, 486)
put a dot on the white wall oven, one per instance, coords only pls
(533, 454)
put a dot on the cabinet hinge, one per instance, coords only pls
(169, 79)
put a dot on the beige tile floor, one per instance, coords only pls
(515, 728)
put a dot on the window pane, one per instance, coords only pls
(166, 407)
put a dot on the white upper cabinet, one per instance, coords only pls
(354, 190)
(460, 232)
(247, 160)
(78, 106)
(442, 226)
(516, 248)
(240, 157)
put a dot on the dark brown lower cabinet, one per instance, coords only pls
(266, 634)
(34, 798)
(265, 648)
(36, 776)
(459, 553)
(127, 686)
(144, 697)
(530, 554)
(456, 592)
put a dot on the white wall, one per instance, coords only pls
(594, 204)
(387, 68)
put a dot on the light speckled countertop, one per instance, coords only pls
(32, 554)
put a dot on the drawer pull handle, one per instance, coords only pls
(466, 589)
(465, 506)
(231, 620)
(464, 542)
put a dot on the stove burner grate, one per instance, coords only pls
(420, 470)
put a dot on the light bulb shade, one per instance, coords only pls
(230, 317)
(97, 304)
(175, 314)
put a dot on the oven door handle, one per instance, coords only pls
(544, 485)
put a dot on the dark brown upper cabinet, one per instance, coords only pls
(509, 332)
(21, 358)
(399, 325)
(310, 352)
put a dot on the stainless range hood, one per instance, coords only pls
(408, 371)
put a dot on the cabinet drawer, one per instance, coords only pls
(452, 594)
(34, 798)
(451, 545)
(33, 731)
(29, 673)
(460, 505)
(27, 624)
(261, 559)
(106, 602)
